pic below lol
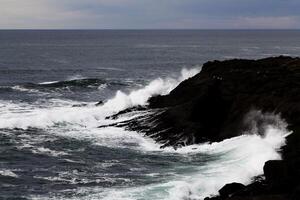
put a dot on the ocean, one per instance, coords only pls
(51, 146)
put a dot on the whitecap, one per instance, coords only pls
(89, 116)
(47, 151)
(7, 172)
(239, 160)
(48, 82)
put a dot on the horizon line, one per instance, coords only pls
(149, 29)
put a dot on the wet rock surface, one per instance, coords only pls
(212, 106)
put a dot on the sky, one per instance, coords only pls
(149, 14)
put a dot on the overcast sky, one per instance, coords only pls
(150, 14)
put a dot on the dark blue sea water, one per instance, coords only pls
(50, 143)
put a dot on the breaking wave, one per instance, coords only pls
(79, 84)
(85, 116)
(7, 172)
(75, 82)
(237, 159)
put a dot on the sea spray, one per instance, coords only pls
(157, 87)
(243, 158)
(86, 116)
(237, 159)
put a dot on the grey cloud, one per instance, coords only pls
(149, 14)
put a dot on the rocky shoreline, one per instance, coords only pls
(212, 106)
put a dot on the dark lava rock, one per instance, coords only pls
(128, 110)
(262, 197)
(276, 171)
(100, 103)
(296, 193)
(212, 105)
(230, 189)
(280, 176)
(224, 100)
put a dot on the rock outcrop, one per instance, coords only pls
(281, 182)
(211, 106)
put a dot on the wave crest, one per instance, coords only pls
(86, 116)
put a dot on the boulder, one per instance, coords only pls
(276, 171)
(230, 189)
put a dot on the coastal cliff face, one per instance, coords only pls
(212, 106)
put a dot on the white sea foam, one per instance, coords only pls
(70, 78)
(75, 77)
(156, 87)
(90, 115)
(23, 89)
(242, 158)
(48, 82)
(239, 159)
(102, 86)
(6, 172)
(46, 151)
